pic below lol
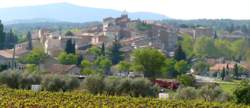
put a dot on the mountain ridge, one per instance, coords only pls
(68, 13)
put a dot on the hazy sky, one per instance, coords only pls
(179, 9)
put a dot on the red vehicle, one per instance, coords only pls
(167, 84)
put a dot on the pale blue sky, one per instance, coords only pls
(179, 9)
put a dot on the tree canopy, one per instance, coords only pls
(150, 60)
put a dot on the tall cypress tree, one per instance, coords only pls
(236, 71)
(29, 38)
(103, 49)
(115, 53)
(179, 54)
(2, 36)
(70, 47)
(223, 74)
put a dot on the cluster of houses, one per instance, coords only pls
(161, 36)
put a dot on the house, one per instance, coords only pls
(219, 67)
(64, 69)
(197, 32)
(6, 56)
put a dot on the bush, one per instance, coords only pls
(53, 83)
(186, 80)
(210, 92)
(242, 94)
(10, 79)
(143, 87)
(120, 86)
(71, 83)
(110, 85)
(94, 84)
(26, 80)
(19, 80)
(56, 83)
(186, 93)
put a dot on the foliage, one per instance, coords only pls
(204, 46)
(69, 33)
(70, 47)
(3, 67)
(211, 92)
(2, 35)
(25, 98)
(187, 44)
(67, 59)
(103, 64)
(143, 26)
(31, 68)
(186, 93)
(151, 61)
(123, 66)
(95, 51)
(19, 80)
(186, 80)
(57, 83)
(168, 69)
(34, 57)
(242, 93)
(179, 54)
(115, 53)
(201, 67)
(29, 38)
(182, 67)
(94, 84)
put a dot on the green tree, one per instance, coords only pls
(187, 45)
(34, 57)
(86, 64)
(70, 47)
(150, 60)
(168, 69)
(2, 36)
(186, 80)
(103, 49)
(123, 66)
(67, 59)
(223, 74)
(69, 33)
(29, 38)
(242, 93)
(236, 71)
(179, 54)
(204, 46)
(201, 67)
(95, 51)
(115, 53)
(103, 64)
(181, 67)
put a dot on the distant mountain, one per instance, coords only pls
(65, 12)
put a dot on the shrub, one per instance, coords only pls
(94, 84)
(143, 87)
(210, 92)
(26, 80)
(53, 83)
(71, 83)
(186, 93)
(10, 78)
(110, 85)
(242, 94)
(123, 86)
(186, 80)
(58, 83)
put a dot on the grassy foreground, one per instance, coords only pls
(10, 98)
